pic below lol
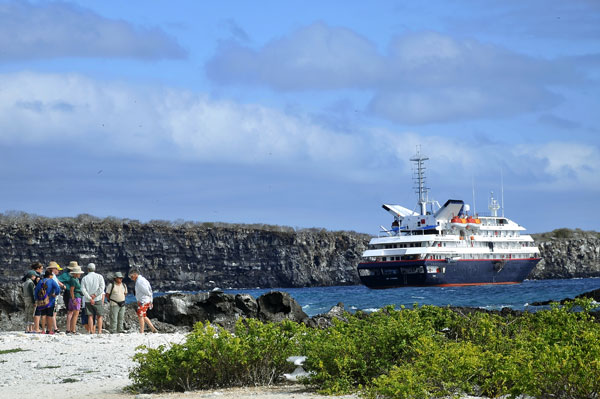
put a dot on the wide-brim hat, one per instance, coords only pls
(72, 264)
(76, 270)
(54, 265)
(118, 275)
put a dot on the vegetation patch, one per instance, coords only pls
(15, 350)
(421, 352)
(69, 380)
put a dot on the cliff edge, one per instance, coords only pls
(184, 256)
(567, 253)
(201, 256)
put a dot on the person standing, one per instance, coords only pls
(92, 287)
(45, 293)
(75, 295)
(143, 295)
(29, 300)
(115, 295)
(59, 303)
(65, 278)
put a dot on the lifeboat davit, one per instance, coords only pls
(473, 223)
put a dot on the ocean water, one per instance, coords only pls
(517, 296)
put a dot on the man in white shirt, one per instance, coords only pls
(143, 295)
(92, 288)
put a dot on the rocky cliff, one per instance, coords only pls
(184, 256)
(568, 254)
(200, 256)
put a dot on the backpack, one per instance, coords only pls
(42, 300)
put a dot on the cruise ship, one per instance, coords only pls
(446, 245)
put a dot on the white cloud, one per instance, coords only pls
(114, 118)
(51, 30)
(314, 57)
(567, 165)
(425, 77)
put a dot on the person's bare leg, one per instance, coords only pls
(50, 324)
(141, 320)
(100, 324)
(91, 324)
(73, 324)
(147, 320)
(69, 316)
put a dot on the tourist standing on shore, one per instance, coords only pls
(36, 267)
(45, 301)
(115, 295)
(59, 303)
(143, 295)
(92, 287)
(29, 300)
(75, 295)
(64, 278)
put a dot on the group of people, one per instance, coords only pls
(45, 292)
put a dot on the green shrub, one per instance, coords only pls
(255, 354)
(350, 354)
(409, 353)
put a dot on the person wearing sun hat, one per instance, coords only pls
(75, 295)
(59, 303)
(115, 295)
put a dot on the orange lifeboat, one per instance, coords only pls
(457, 222)
(473, 223)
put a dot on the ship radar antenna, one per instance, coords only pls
(502, 188)
(493, 205)
(419, 179)
(473, 186)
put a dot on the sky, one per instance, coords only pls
(299, 113)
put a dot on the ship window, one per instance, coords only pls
(368, 272)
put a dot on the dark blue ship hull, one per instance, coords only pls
(445, 272)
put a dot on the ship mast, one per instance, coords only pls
(419, 179)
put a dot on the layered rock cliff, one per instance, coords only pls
(200, 256)
(184, 256)
(568, 254)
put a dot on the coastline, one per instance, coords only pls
(74, 366)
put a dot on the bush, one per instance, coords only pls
(421, 352)
(350, 354)
(255, 354)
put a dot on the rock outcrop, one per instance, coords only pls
(185, 256)
(225, 309)
(202, 256)
(568, 254)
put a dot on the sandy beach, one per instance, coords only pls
(74, 366)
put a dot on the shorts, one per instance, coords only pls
(96, 309)
(74, 304)
(143, 308)
(48, 312)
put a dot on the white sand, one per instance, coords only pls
(100, 365)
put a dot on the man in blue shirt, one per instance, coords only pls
(52, 290)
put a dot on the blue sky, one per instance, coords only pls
(299, 113)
